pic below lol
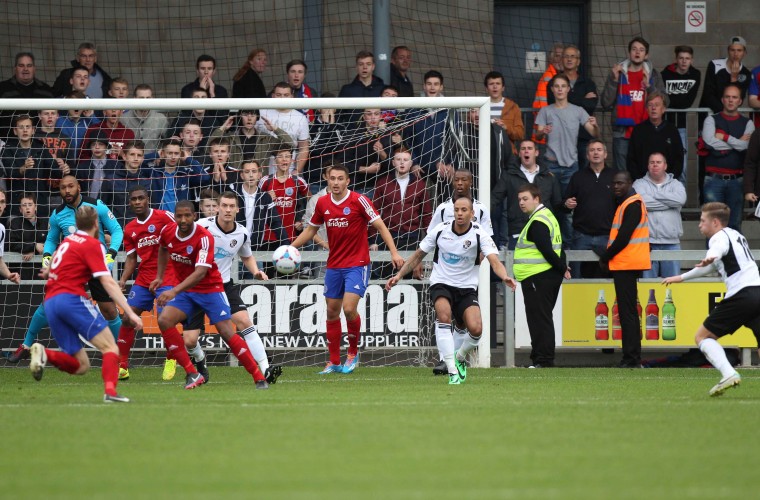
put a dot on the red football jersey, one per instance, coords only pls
(143, 237)
(346, 222)
(79, 258)
(186, 253)
(285, 196)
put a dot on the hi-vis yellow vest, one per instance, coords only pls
(635, 255)
(528, 259)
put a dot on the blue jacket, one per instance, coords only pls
(186, 177)
(426, 136)
(62, 223)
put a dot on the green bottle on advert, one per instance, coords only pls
(668, 317)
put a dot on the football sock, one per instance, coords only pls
(125, 343)
(253, 340)
(715, 354)
(445, 342)
(468, 345)
(241, 352)
(176, 347)
(110, 372)
(353, 328)
(64, 362)
(459, 335)
(38, 322)
(334, 331)
(115, 326)
(196, 353)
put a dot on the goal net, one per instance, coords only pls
(216, 139)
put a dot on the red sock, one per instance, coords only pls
(240, 350)
(334, 332)
(176, 347)
(62, 361)
(110, 372)
(354, 334)
(125, 343)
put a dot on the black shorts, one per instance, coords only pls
(459, 298)
(232, 291)
(742, 309)
(98, 292)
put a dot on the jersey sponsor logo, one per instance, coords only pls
(284, 202)
(151, 229)
(148, 241)
(339, 222)
(451, 258)
(289, 191)
(181, 259)
(221, 253)
(346, 211)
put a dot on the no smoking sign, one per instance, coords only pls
(695, 17)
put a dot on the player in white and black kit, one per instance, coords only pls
(231, 239)
(454, 281)
(445, 213)
(728, 253)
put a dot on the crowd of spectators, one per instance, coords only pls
(404, 160)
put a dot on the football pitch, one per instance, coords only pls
(382, 433)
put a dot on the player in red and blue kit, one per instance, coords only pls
(141, 239)
(346, 214)
(286, 190)
(190, 248)
(79, 258)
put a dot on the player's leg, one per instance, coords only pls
(217, 308)
(105, 343)
(168, 320)
(190, 335)
(356, 283)
(106, 305)
(334, 291)
(242, 321)
(37, 323)
(469, 314)
(443, 337)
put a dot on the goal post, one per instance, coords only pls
(454, 107)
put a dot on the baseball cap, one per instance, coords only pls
(737, 40)
(99, 136)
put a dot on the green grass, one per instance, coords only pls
(382, 433)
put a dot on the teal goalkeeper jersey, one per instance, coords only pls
(63, 223)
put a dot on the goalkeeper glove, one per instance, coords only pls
(46, 260)
(110, 260)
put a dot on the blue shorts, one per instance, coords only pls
(142, 298)
(346, 279)
(69, 317)
(215, 305)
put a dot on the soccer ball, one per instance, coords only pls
(286, 259)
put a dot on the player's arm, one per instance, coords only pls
(113, 228)
(410, 264)
(6, 273)
(303, 155)
(382, 230)
(130, 264)
(500, 270)
(195, 277)
(52, 240)
(250, 264)
(114, 291)
(705, 266)
(308, 233)
(163, 258)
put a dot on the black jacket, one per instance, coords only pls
(23, 235)
(647, 139)
(249, 85)
(596, 203)
(62, 86)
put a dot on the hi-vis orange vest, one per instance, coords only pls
(540, 99)
(635, 255)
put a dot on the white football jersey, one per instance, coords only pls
(457, 256)
(445, 213)
(733, 260)
(2, 239)
(227, 245)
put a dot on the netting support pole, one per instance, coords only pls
(381, 38)
(484, 196)
(312, 39)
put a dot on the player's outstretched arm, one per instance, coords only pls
(250, 263)
(114, 291)
(163, 258)
(382, 230)
(130, 264)
(410, 264)
(501, 271)
(5, 273)
(307, 234)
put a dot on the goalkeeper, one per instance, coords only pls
(62, 224)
